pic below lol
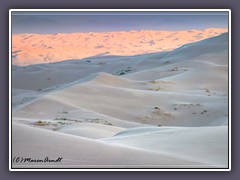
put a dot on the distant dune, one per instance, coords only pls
(30, 49)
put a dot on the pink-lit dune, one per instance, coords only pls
(43, 48)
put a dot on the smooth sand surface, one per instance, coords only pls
(79, 152)
(164, 110)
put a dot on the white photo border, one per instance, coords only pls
(119, 169)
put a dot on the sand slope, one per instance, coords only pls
(78, 152)
(188, 143)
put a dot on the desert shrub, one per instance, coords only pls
(154, 81)
(207, 90)
(157, 89)
(174, 69)
(61, 123)
(41, 123)
(166, 62)
(107, 123)
(64, 112)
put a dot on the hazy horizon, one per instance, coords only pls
(73, 22)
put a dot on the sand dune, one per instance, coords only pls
(165, 109)
(79, 152)
(43, 48)
(187, 143)
(92, 130)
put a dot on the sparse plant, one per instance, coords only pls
(107, 123)
(174, 69)
(166, 62)
(110, 124)
(204, 112)
(61, 123)
(64, 112)
(154, 81)
(207, 90)
(123, 71)
(61, 118)
(41, 123)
